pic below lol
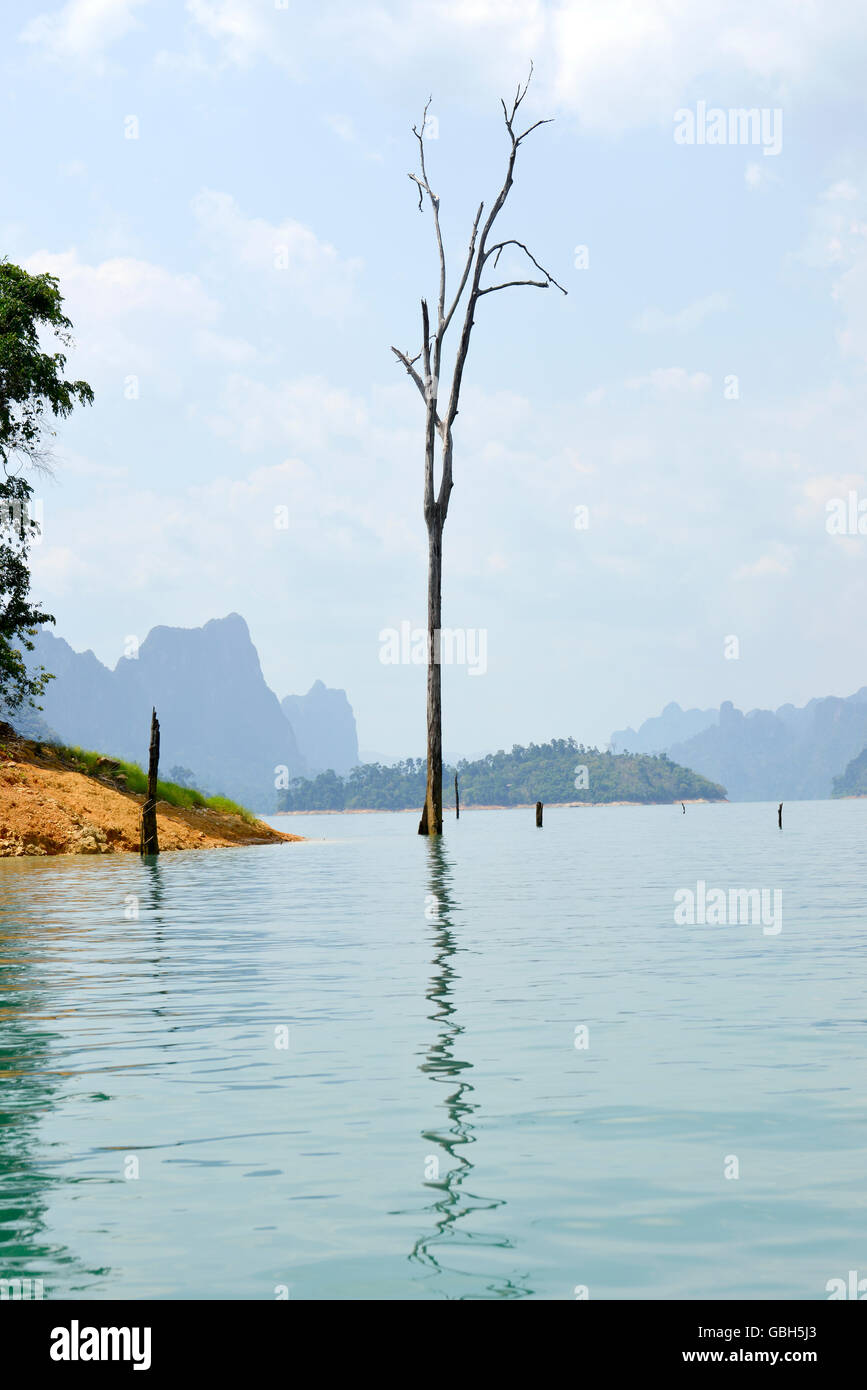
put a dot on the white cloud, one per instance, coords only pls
(217, 347)
(130, 315)
(822, 488)
(772, 460)
(835, 227)
(657, 321)
(629, 61)
(82, 30)
(288, 253)
(58, 570)
(82, 467)
(758, 176)
(615, 64)
(299, 415)
(777, 561)
(221, 542)
(343, 128)
(837, 241)
(242, 30)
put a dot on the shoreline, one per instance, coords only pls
(512, 806)
(50, 805)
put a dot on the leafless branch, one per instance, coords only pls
(507, 284)
(467, 267)
(423, 184)
(499, 247)
(409, 362)
(531, 128)
(478, 254)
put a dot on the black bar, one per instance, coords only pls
(217, 1338)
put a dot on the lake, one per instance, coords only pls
(374, 1066)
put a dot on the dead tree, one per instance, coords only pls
(439, 425)
(149, 841)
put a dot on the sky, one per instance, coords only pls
(643, 467)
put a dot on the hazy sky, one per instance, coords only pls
(221, 188)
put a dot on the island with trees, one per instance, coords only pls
(561, 772)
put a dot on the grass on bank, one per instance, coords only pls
(92, 764)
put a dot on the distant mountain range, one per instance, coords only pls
(219, 720)
(324, 728)
(853, 779)
(765, 755)
(226, 729)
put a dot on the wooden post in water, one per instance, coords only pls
(539, 814)
(780, 815)
(457, 800)
(149, 841)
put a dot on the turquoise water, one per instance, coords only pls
(432, 1130)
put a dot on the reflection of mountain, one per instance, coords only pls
(447, 1142)
(29, 1087)
(765, 755)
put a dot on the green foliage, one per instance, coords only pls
(134, 779)
(31, 380)
(368, 787)
(19, 616)
(543, 772)
(32, 388)
(229, 808)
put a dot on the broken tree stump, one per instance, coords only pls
(539, 814)
(149, 841)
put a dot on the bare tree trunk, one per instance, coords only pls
(149, 841)
(427, 381)
(431, 822)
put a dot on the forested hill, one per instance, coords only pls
(560, 771)
(853, 780)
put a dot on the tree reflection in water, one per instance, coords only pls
(454, 1136)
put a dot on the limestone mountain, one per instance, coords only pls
(325, 728)
(660, 733)
(218, 716)
(765, 755)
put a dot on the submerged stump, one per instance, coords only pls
(149, 841)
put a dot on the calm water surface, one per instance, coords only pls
(432, 1130)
